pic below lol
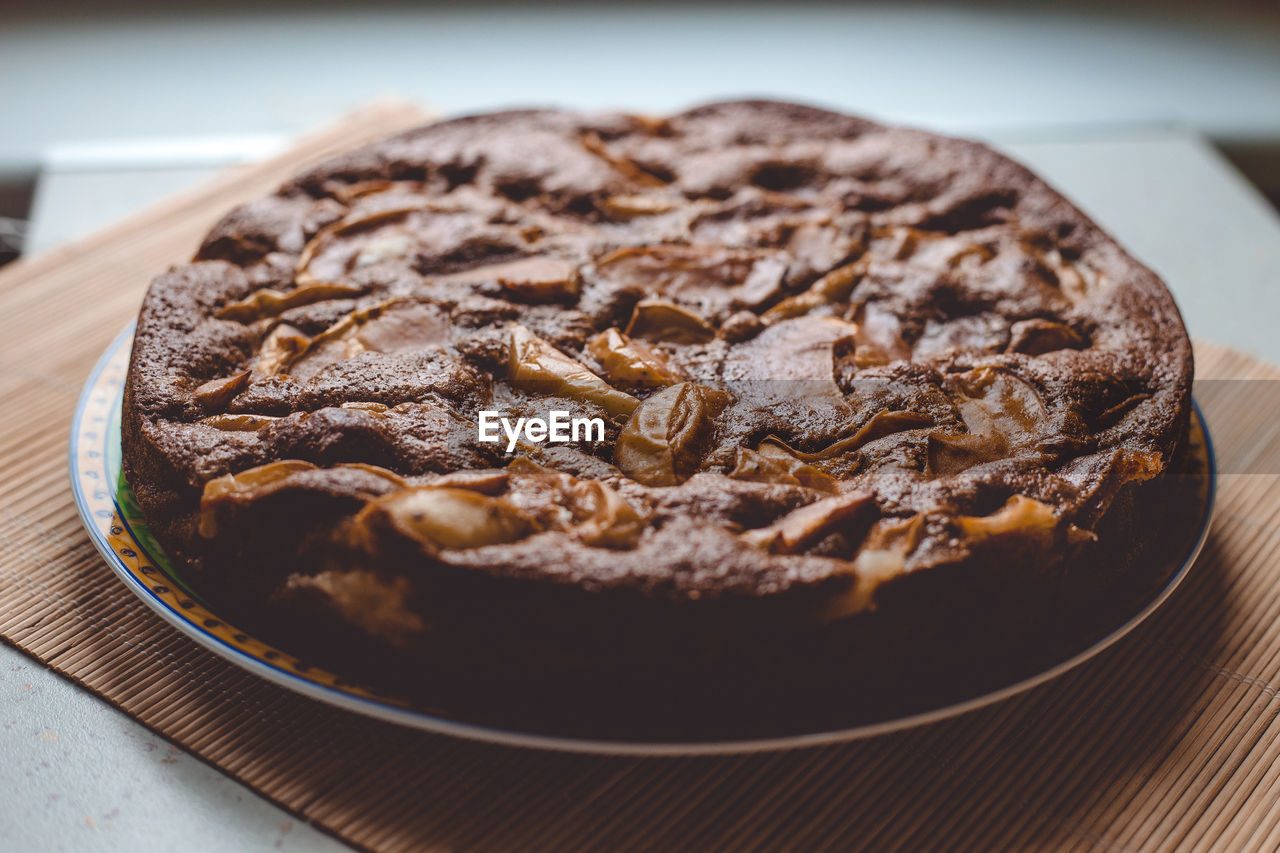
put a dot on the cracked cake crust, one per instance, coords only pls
(831, 354)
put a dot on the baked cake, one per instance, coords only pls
(848, 383)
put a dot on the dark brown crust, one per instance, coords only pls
(979, 286)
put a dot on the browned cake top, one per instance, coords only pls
(821, 347)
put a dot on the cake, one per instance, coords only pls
(839, 386)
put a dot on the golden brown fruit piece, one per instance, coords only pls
(489, 481)
(631, 362)
(255, 483)
(279, 348)
(215, 394)
(805, 526)
(625, 207)
(833, 287)
(801, 349)
(1002, 412)
(445, 517)
(536, 365)
(596, 514)
(540, 278)
(253, 479)
(881, 557)
(238, 423)
(882, 424)
(394, 325)
(660, 320)
(879, 336)
(1039, 336)
(269, 303)
(773, 463)
(246, 485)
(392, 243)
(664, 441)
(712, 280)
(1021, 515)
(789, 368)
(1076, 279)
(610, 521)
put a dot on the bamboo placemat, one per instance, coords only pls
(1170, 739)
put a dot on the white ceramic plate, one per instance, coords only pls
(117, 528)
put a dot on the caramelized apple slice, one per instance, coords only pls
(253, 484)
(832, 288)
(1039, 336)
(596, 514)
(712, 281)
(278, 350)
(773, 463)
(446, 517)
(807, 525)
(393, 244)
(630, 362)
(610, 521)
(246, 485)
(1021, 515)
(879, 337)
(660, 320)
(537, 365)
(881, 557)
(540, 278)
(626, 207)
(882, 424)
(396, 325)
(270, 303)
(789, 369)
(238, 423)
(664, 441)
(488, 482)
(216, 394)
(1002, 413)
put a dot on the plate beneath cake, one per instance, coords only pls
(116, 527)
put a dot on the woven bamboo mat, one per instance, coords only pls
(1170, 739)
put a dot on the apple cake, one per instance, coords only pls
(853, 386)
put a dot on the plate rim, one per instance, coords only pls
(425, 721)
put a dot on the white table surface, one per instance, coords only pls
(202, 69)
(77, 774)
